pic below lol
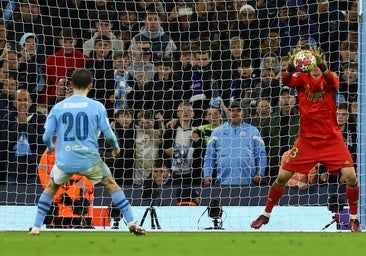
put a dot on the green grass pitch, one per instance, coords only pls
(185, 243)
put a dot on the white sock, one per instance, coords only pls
(353, 216)
(267, 214)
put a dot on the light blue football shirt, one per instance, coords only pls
(77, 122)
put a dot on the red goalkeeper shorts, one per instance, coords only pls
(306, 153)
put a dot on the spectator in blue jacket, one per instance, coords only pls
(237, 152)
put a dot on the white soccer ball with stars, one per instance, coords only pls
(304, 61)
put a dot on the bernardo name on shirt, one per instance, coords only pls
(75, 105)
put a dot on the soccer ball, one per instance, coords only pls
(304, 61)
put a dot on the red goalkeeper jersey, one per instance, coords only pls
(318, 113)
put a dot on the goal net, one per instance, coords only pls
(170, 74)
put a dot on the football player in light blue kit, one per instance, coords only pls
(77, 121)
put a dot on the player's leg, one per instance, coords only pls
(45, 201)
(44, 205)
(342, 159)
(300, 159)
(120, 201)
(274, 195)
(353, 193)
(101, 173)
(118, 197)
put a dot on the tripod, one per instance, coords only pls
(341, 225)
(336, 219)
(335, 205)
(153, 216)
(116, 215)
(217, 224)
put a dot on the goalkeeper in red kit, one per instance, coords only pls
(320, 139)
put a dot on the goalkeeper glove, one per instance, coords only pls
(318, 55)
(319, 58)
(291, 57)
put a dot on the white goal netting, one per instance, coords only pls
(167, 72)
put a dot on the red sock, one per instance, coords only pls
(274, 196)
(353, 193)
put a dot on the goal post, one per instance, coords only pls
(362, 111)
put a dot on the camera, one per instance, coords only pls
(115, 214)
(214, 209)
(336, 203)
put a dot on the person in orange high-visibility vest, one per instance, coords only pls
(73, 203)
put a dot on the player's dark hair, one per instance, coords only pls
(81, 78)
